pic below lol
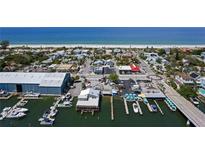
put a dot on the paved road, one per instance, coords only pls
(76, 91)
(196, 116)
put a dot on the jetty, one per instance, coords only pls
(126, 107)
(160, 110)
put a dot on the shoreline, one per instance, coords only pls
(110, 45)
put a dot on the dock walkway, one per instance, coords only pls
(196, 116)
(112, 108)
(140, 110)
(126, 107)
(160, 110)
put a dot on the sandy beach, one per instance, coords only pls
(109, 45)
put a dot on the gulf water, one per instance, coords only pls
(104, 35)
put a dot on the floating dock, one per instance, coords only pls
(112, 109)
(158, 107)
(140, 110)
(126, 107)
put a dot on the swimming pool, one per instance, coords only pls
(202, 91)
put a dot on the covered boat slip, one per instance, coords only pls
(43, 83)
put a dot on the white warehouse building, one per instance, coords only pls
(43, 83)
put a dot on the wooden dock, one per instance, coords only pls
(12, 108)
(140, 110)
(112, 108)
(160, 110)
(126, 107)
(149, 107)
(194, 115)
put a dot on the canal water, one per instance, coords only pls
(68, 117)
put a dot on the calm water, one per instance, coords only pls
(69, 117)
(106, 35)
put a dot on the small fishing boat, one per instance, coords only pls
(16, 115)
(154, 107)
(194, 100)
(135, 107)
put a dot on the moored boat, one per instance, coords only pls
(135, 107)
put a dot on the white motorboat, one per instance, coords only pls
(4, 113)
(194, 100)
(46, 118)
(40, 119)
(65, 105)
(6, 108)
(21, 109)
(67, 102)
(135, 107)
(62, 98)
(16, 115)
(53, 112)
(47, 121)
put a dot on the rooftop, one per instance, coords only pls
(89, 97)
(128, 68)
(43, 79)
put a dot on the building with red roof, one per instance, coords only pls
(134, 68)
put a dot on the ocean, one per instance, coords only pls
(104, 35)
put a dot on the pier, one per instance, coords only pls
(192, 113)
(160, 110)
(140, 110)
(126, 107)
(112, 109)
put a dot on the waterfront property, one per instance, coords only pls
(43, 83)
(88, 100)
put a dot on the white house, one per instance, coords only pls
(203, 55)
(202, 80)
(183, 78)
(88, 100)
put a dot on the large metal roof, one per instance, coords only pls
(42, 79)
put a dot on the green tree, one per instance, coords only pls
(4, 44)
(161, 52)
(113, 77)
(159, 60)
(187, 91)
(177, 55)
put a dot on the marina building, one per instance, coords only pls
(128, 69)
(88, 100)
(124, 69)
(43, 83)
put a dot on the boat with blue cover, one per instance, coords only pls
(170, 104)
